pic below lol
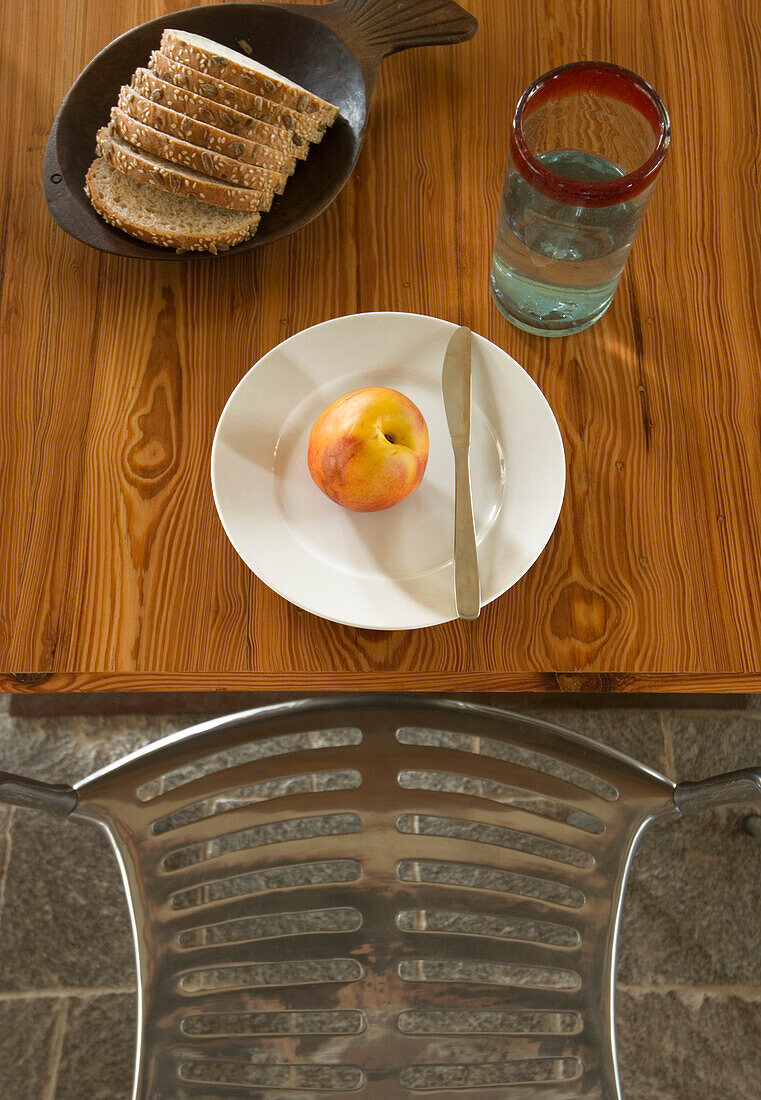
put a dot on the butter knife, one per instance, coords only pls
(455, 386)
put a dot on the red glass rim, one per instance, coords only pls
(602, 78)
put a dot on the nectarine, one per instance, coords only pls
(369, 449)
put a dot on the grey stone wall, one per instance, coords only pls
(689, 979)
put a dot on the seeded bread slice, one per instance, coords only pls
(201, 134)
(172, 221)
(214, 114)
(147, 168)
(181, 152)
(174, 72)
(244, 72)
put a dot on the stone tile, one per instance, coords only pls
(192, 704)
(610, 700)
(5, 825)
(64, 751)
(98, 1056)
(701, 1048)
(638, 733)
(197, 703)
(710, 744)
(64, 921)
(691, 912)
(27, 1030)
(63, 917)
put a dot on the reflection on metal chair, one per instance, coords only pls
(377, 894)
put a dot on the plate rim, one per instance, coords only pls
(557, 434)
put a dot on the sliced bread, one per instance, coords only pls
(172, 221)
(202, 134)
(244, 72)
(147, 168)
(247, 103)
(224, 118)
(181, 152)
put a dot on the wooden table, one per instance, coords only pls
(116, 573)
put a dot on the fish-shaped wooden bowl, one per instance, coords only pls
(333, 49)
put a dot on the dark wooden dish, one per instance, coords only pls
(333, 49)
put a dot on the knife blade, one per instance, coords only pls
(455, 387)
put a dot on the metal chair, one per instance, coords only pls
(380, 895)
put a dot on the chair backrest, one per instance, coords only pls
(386, 896)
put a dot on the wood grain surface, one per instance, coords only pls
(585, 686)
(114, 570)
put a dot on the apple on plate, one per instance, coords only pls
(368, 450)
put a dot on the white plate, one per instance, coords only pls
(390, 570)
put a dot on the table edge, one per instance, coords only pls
(311, 682)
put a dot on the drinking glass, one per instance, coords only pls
(587, 142)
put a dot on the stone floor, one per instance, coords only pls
(689, 977)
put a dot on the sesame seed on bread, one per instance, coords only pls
(244, 72)
(202, 134)
(172, 221)
(170, 177)
(182, 153)
(190, 161)
(248, 103)
(215, 114)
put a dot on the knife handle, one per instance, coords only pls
(467, 585)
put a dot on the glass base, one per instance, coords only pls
(535, 326)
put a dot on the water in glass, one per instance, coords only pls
(556, 266)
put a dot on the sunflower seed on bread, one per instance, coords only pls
(147, 168)
(205, 84)
(172, 221)
(214, 114)
(199, 144)
(244, 72)
(181, 152)
(202, 134)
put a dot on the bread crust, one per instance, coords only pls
(185, 155)
(237, 69)
(248, 103)
(202, 134)
(189, 160)
(147, 168)
(130, 222)
(224, 118)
